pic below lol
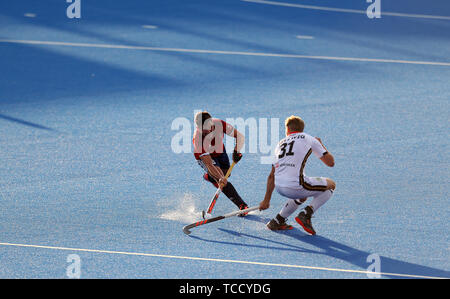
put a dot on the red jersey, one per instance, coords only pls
(211, 143)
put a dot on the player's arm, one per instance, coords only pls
(213, 170)
(265, 204)
(240, 140)
(327, 158)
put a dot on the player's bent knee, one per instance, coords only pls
(331, 184)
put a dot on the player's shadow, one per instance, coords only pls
(336, 250)
(26, 123)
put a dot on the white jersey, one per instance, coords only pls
(291, 155)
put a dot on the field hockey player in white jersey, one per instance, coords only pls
(288, 177)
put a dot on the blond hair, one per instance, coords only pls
(294, 124)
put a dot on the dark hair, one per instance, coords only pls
(200, 118)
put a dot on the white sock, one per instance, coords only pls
(320, 199)
(289, 208)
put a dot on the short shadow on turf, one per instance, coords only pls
(328, 247)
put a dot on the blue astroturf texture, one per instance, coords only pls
(93, 183)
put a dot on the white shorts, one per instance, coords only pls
(312, 186)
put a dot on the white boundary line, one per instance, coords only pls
(346, 10)
(304, 37)
(197, 51)
(216, 260)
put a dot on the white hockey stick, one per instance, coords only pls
(187, 228)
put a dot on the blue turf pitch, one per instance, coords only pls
(87, 165)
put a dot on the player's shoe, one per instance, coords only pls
(243, 207)
(304, 219)
(278, 224)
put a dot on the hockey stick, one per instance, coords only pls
(187, 228)
(208, 212)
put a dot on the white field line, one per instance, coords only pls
(149, 27)
(346, 10)
(216, 260)
(304, 37)
(198, 51)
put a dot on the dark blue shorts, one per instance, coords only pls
(221, 161)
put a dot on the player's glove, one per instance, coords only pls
(236, 156)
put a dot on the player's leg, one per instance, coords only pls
(210, 179)
(320, 198)
(290, 207)
(304, 217)
(330, 184)
(206, 175)
(296, 197)
(218, 163)
(223, 162)
(233, 195)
